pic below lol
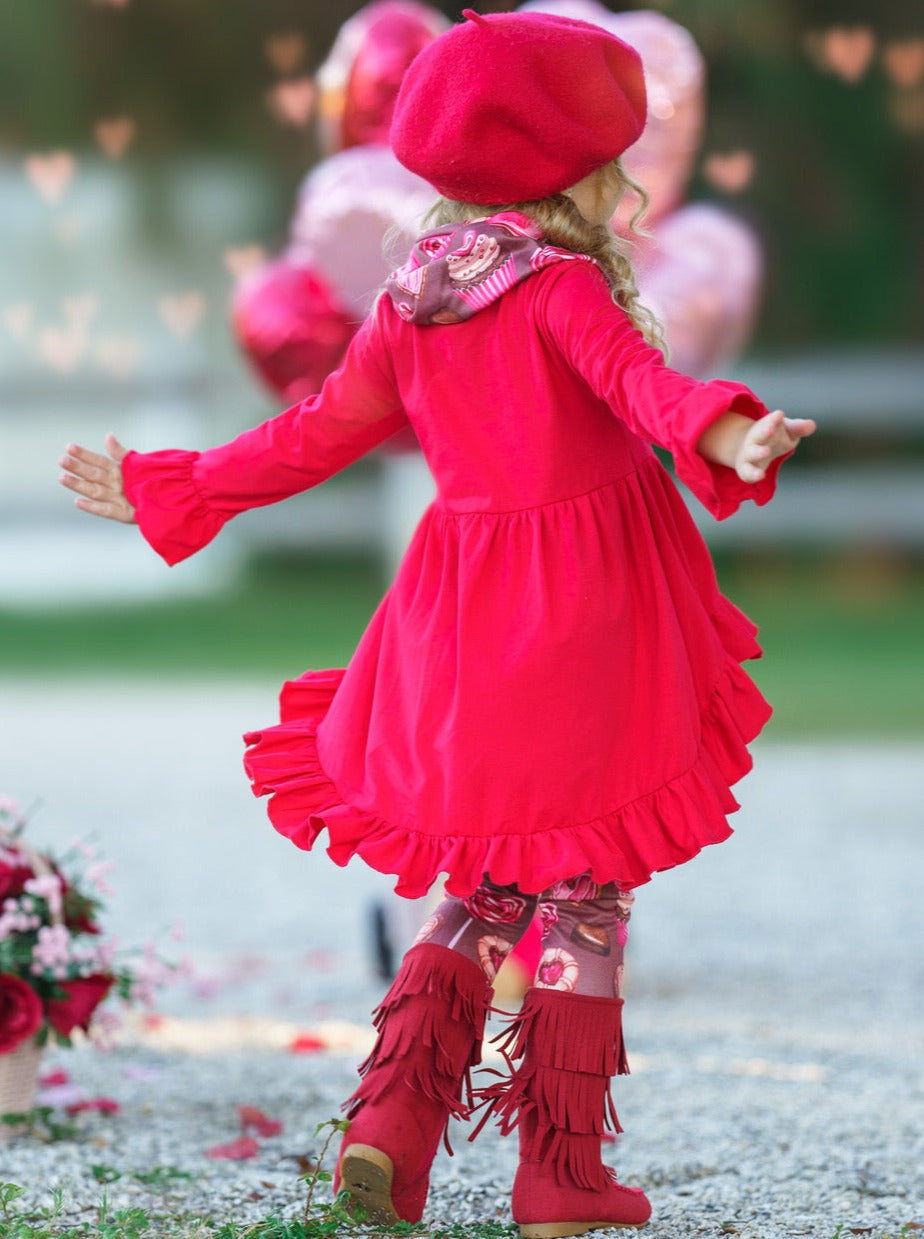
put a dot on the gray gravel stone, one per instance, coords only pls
(774, 1003)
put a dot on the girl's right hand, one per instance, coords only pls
(97, 480)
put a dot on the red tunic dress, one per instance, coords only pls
(552, 683)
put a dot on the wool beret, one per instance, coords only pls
(508, 107)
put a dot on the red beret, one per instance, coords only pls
(508, 107)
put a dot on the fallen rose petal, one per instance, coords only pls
(252, 1118)
(305, 1043)
(105, 1105)
(53, 1078)
(236, 1150)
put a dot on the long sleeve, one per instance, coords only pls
(660, 405)
(182, 499)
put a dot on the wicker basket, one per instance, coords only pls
(18, 1079)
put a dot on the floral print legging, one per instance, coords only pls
(585, 928)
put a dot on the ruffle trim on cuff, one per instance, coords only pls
(658, 831)
(718, 487)
(173, 517)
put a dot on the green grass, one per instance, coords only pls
(842, 637)
(323, 1221)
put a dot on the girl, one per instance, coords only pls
(548, 705)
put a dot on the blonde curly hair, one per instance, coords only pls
(563, 224)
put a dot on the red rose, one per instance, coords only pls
(83, 997)
(20, 1012)
(485, 905)
(575, 890)
(13, 877)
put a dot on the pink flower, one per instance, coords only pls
(20, 1012)
(97, 873)
(53, 948)
(46, 886)
(485, 905)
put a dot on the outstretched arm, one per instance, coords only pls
(181, 499)
(750, 447)
(97, 480)
(726, 446)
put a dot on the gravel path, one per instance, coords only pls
(774, 999)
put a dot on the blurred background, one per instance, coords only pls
(151, 153)
(153, 164)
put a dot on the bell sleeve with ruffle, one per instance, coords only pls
(182, 499)
(660, 405)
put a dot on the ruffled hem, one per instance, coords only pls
(657, 831)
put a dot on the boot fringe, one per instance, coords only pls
(448, 993)
(574, 1159)
(570, 1045)
(570, 1032)
(446, 976)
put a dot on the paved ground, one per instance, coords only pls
(776, 992)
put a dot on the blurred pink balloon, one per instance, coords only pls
(701, 269)
(346, 208)
(701, 274)
(359, 80)
(292, 326)
(675, 74)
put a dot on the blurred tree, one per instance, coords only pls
(837, 188)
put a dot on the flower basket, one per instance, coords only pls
(18, 1079)
(56, 966)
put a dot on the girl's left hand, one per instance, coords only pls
(97, 480)
(764, 440)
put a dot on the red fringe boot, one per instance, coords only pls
(430, 1024)
(570, 1045)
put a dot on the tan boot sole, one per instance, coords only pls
(367, 1174)
(564, 1230)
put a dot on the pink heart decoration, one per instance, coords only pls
(847, 51)
(731, 172)
(243, 258)
(904, 62)
(114, 136)
(675, 73)
(182, 312)
(285, 52)
(292, 102)
(51, 174)
(700, 273)
(61, 348)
